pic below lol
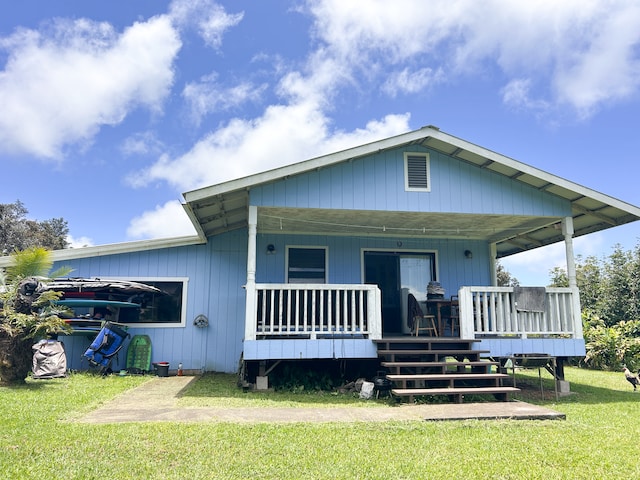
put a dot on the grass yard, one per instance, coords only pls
(599, 439)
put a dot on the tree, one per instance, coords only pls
(589, 277)
(591, 281)
(559, 277)
(19, 233)
(616, 291)
(505, 279)
(26, 314)
(610, 298)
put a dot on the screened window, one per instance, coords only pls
(306, 265)
(416, 172)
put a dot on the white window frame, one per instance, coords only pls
(424, 155)
(308, 247)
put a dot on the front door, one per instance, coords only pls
(397, 274)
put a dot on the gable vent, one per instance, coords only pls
(416, 168)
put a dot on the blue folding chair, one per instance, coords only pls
(106, 345)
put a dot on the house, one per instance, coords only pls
(316, 260)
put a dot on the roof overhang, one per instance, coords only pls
(224, 207)
(117, 248)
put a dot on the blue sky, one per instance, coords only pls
(110, 110)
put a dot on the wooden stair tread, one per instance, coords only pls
(432, 352)
(477, 363)
(413, 339)
(447, 376)
(452, 391)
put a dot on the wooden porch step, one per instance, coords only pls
(440, 380)
(451, 353)
(434, 340)
(447, 376)
(478, 363)
(411, 392)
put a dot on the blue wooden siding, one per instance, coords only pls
(559, 347)
(377, 183)
(345, 259)
(216, 273)
(294, 349)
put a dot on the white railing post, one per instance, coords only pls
(374, 313)
(577, 313)
(465, 299)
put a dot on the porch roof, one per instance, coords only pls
(224, 207)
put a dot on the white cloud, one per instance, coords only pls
(584, 53)
(407, 81)
(211, 20)
(59, 88)
(142, 143)
(283, 135)
(168, 220)
(207, 96)
(608, 67)
(79, 242)
(517, 94)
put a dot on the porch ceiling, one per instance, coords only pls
(224, 207)
(491, 228)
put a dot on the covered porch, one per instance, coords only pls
(291, 321)
(329, 320)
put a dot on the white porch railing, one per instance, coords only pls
(491, 311)
(314, 311)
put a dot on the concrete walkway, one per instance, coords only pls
(156, 401)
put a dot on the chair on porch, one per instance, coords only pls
(418, 320)
(452, 316)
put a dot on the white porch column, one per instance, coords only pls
(493, 254)
(567, 231)
(250, 305)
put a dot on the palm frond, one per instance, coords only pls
(32, 262)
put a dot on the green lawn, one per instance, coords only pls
(599, 439)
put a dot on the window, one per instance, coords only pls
(416, 172)
(168, 308)
(306, 264)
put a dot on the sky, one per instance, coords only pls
(109, 111)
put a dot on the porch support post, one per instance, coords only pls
(493, 254)
(567, 231)
(250, 305)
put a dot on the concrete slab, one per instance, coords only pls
(156, 401)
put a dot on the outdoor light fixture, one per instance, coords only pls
(201, 321)
(271, 249)
(468, 254)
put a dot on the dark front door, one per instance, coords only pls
(383, 270)
(397, 274)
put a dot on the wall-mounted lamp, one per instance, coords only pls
(201, 321)
(468, 254)
(271, 249)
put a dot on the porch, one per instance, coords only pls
(306, 321)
